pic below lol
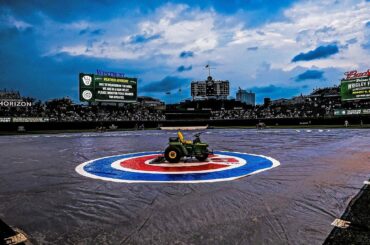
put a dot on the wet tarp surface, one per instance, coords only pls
(357, 216)
(295, 203)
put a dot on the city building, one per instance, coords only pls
(210, 89)
(266, 101)
(246, 97)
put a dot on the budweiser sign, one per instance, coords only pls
(355, 74)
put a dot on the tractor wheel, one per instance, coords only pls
(202, 157)
(172, 155)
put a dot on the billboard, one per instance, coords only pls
(355, 86)
(15, 103)
(103, 88)
(30, 119)
(343, 112)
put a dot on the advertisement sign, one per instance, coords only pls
(344, 112)
(102, 88)
(5, 119)
(30, 119)
(355, 86)
(15, 103)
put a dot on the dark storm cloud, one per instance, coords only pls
(95, 32)
(71, 10)
(184, 68)
(168, 83)
(84, 31)
(252, 48)
(53, 76)
(36, 73)
(137, 39)
(309, 75)
(318, 53)
(186, 54)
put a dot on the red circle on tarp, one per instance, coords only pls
(138, 163)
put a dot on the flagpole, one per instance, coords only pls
(209, 69)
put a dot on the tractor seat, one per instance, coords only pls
(174, 139)
(182, 140)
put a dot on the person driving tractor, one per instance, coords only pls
(182, 139)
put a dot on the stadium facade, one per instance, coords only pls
(210, 89)
(321, 106)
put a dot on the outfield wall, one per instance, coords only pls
(39, 126)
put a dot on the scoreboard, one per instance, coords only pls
(355, 86)
(100, 88)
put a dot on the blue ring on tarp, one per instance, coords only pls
(102, 168)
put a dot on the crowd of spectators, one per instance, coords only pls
(320, 103)
(9, 95)
(64, 110)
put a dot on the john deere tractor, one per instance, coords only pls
(178, 148)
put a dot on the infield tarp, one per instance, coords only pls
(295, 203)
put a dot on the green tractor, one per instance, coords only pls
(178, 148)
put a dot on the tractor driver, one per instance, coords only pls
(182, 139)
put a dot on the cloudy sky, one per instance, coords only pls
(275, 48)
